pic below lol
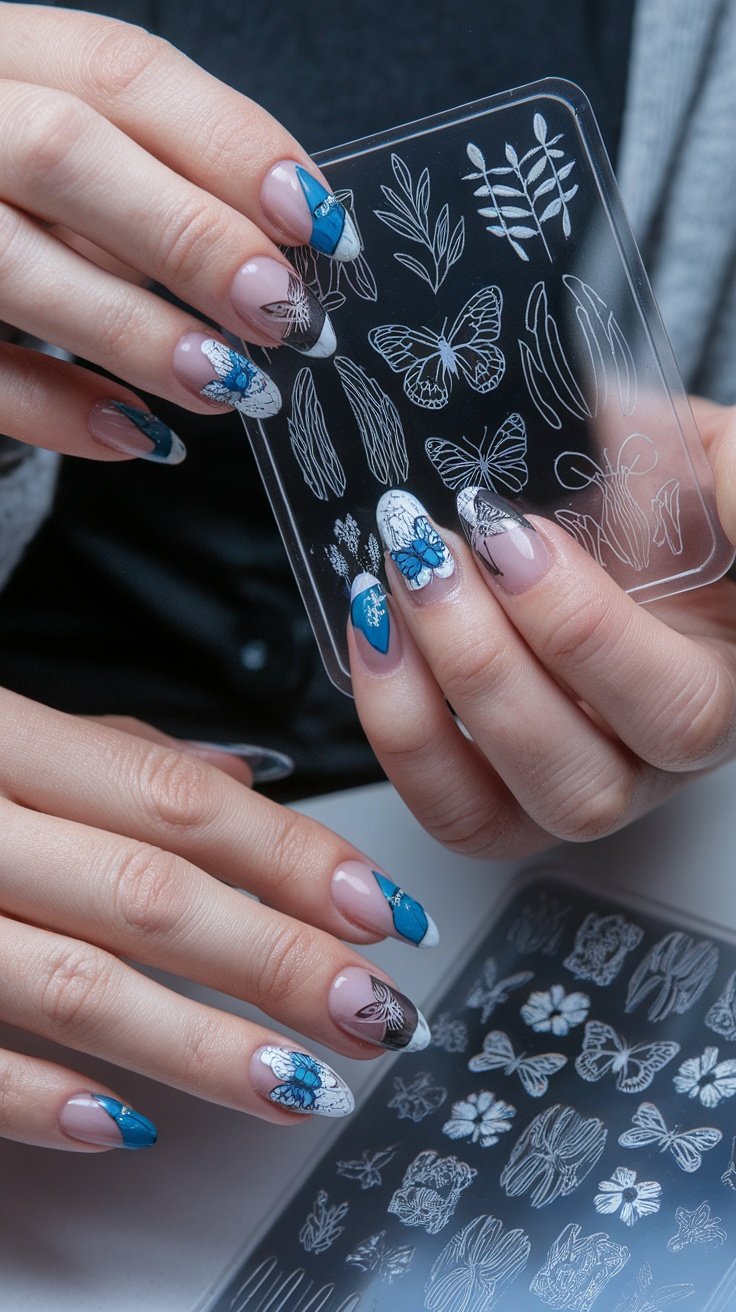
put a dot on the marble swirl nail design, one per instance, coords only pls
(415, 547)
(376, 1012)
(299, 1082)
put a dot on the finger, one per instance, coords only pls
(572, 779)
(670, 699)
(52, 1107)
(156, 908)
(124, 328)
(78, 995)
(717, 424)
(225, 760)
(201, 128)
(180, 803)
(442, 776)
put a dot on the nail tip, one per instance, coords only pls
(349, 246)
(422, 1036)
(432, 936)
(324, 347)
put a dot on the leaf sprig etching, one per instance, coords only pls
(367, 559)
(322, 1226)
(409, 217)
(518, 207)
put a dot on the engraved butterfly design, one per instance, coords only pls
(533, 1071)
(496, 462)
(489, 992)
(687, 1146)
(635, 1065)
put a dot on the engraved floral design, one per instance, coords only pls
(623, 1195)
(555, 1011)
(707, 1078)
(696, 1227)
(431, 1190)
(418, 1098)
(452, 1035)
(481, 1118)
(476, 1266)
(322, 1225)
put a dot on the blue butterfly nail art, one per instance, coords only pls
(369, 612)
(137, 1130)
(307, 1085)
(410, 919)
(239, 382)
(415, 547)
(333, 232)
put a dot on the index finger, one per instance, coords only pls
(208, 133)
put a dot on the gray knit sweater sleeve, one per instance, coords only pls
(26, 495)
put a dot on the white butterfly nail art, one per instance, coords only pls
(431, 361)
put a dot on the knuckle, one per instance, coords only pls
(600, 812)
(700, 722)
(188, 238)
(12, 1099)
(117, 324)
(46, 134)
(149, 891)
(13, 247)
(198, 1054)
(580, 635)
(285, 969)
(176, 789)
(473, 670)
(286, 851)
(74, 981)
(118, 56)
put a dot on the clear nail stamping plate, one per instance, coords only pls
(567, 1142)
(498, 330)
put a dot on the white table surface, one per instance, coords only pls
(157, 1231)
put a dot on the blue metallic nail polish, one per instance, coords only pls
(369, 612)
(333, 232)
(410, 919)
(137, 1130)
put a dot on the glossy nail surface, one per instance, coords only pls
(377, 639)
(299, 1082)
(265, 765)
(215, 371)
(97, 1118)
(373, 901)
(415, 547)
(372, 1010)
(508, 547)
(272, 298)
(135, 432)
(303, 210)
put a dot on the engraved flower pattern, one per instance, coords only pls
(622, 1192)
(481, 1118)
(707, 1078)
(555, 1011)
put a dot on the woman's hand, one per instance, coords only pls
(121, 162)
(118, 845)
(584, 708)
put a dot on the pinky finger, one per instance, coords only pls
(52, 1107)
(63, 407)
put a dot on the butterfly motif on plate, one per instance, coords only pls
(239, 383)
(533, 1071)
(367, 1168)
(431, 362)
(489, 992)
(687, 1146)
(306, 1084)
(374, 1254)
(498, 462)
(634, 1065)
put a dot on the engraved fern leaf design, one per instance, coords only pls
(526, 192)
(408, 215)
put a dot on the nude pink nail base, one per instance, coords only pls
(135, 432)
(303, 209)
(271, 297)
(299, 1082)
(371, 900)
(373, 1010)
(508, 547)
(97, 1118)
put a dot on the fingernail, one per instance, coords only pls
(135, 432)
(301, 1083)
(415, 547)
(272, 298)
(508, 547)
(97, 1118)
(374, 1011)
(376, 638)
(218, 373)
(265, 765)
(305, 211)
(373, 901)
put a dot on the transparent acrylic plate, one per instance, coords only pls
(566, 1142)
(497, 330)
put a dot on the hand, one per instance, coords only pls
(584, 708)
(115, 844)
(122, 162)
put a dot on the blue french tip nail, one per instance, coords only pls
(137, 1130)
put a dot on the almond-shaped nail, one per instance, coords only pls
(367, 1007)
(377, 639)
(414, 545)
(100, 1119)
(215, 371)
(299, 1082)
(135, 432)
(273, 299)
(265, 765)
(508, 547)
(304, 210)
(372, 901)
